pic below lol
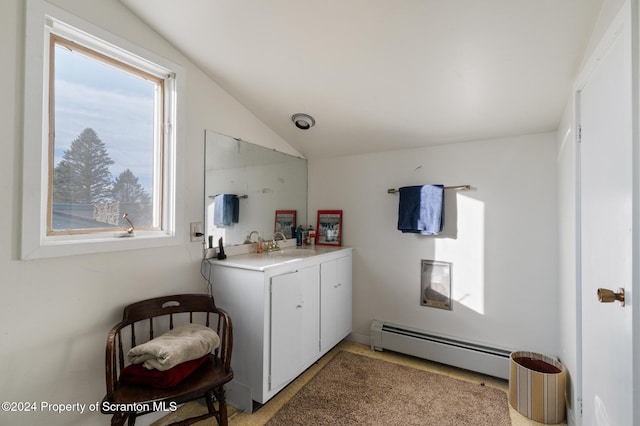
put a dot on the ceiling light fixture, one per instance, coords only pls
(303, 121)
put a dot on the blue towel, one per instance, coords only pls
(226, 209)
(421, 209)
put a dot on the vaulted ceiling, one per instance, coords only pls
(386, 74)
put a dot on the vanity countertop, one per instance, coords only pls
(266, 260)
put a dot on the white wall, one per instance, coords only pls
(608, 11)
(501, 238)
(55, 313)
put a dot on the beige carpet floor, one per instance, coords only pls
(268, 410)
(354, 390)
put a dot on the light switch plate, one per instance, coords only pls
(194, 229)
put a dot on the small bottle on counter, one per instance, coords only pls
(307, 235)
(299, 236)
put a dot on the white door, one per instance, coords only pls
(607, 227)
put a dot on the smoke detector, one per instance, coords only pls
(303, 121)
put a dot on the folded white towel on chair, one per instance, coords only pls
(179, 345)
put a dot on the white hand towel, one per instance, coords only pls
(181, 344)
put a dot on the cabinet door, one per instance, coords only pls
(335, 301)
(294, 324)
(286, 327)
(310, 340)
(344, 302)
(328, 285)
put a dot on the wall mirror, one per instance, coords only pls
(263, 180)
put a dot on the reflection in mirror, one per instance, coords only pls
(262, 180)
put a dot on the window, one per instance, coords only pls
(100, 119)
(105, 122)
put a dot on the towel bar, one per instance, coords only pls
(239, 196)
(461, 187)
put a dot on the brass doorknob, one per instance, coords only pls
(608, 296)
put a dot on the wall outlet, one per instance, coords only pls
(195, 230)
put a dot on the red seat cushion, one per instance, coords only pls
(136, 374)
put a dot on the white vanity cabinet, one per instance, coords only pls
(287, 310)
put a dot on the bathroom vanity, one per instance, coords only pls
(288, 308)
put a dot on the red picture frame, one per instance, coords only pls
(285, 222)
(329, 228)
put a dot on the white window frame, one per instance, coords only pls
(44, 19)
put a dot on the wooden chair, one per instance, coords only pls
(156, 316)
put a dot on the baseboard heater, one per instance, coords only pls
(445, 350)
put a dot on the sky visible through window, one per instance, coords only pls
(117, 105)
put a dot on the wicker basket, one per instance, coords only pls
(536, 387)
